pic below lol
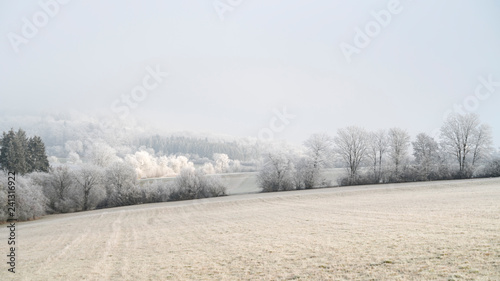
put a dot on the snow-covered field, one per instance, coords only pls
(446, 230)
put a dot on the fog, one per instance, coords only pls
(280, 70)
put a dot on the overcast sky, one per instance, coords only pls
(232, 64)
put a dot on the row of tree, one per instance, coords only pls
(463, 138)
(87, 187)
(383, 156)
(22, 154)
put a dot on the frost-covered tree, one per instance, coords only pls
(466, 139)
(121, 185)
(149, 166)
(399, 143)
(319, 150)
(144, 163)
(74, 158)
(304, 174)
(481, 141)
(426, 153)
(378, 145)
(88, 186)
(30, 200)
(194, 184)
(351, 144)
(277, 173)
(178, 163)
(234, 166)
(208, 168)
(57, 188)
(156, 191)
(164, 166)
(221, 162)
(101, 154)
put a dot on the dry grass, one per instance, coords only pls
(424, 231)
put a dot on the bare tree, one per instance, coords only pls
(319, 147)
(351, 144)
(462, 135)
(121, 185)
(57, 188)
(277, 173)
(87, 179)
(481, 141)
(399, 142)
(303, 173)
(378, 145)
(426, 152)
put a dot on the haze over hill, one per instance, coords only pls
(232, 70)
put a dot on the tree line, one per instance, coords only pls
(383, 156)
(103, 182)
(88, 187)
(202, 147)
(70, 135)
(463, 150)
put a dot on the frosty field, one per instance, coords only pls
(446, 230)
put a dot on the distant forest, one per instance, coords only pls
(202, 147)
(73, 134)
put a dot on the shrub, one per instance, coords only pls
(278, 174)
(194, 184)
(492, 169)
(156, 192)
(121, 186)
(30, 201)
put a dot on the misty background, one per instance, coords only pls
(231, 66)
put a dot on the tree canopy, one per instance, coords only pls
(21, 154)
